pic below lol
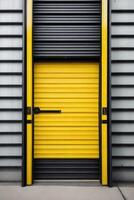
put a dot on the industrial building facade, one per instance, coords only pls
(67, 90)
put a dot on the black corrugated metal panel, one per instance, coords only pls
(65, 29)
(66, 169)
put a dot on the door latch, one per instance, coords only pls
(104, 111)
(29, 110)
(37, 110)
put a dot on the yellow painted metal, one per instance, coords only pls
(63, 67)
(29, 154)
(104, 90)
(29, 90)
(104, 155)
(72, 88)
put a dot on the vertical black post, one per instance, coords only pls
(109, 99)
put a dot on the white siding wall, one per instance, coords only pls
(10, 89)
(123, 89)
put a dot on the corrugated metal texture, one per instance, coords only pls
(72, 88)
(66, 169)
(123, 90)
(67, 29)
(10, 89)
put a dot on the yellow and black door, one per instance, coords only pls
(66, 120)
(69, 82)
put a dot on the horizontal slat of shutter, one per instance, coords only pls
(66, 169)
(66, 29)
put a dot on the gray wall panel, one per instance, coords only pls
(10, 127)
(10, 162)
(123, 91)
(120, 30)
(10, 151)
(122, 17)
(123, 127)
(11, 4)
(10, 67)
(10, 80)
(122, 67)
(11, 90)
(122, 55)
(123, 162)
(123, 139)
(122, 4)
(123, 174)
(122, 42)
(12, 139)
(122, 104)
(126, 115)
(15, 55)
(10, 17)
(10, 42)
(121, 80)
(123, 151)
(10, 115)
(10, 174)
(4, 29)
(10, 103)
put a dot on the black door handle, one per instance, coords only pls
(37, 110)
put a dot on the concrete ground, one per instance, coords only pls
(61, 191)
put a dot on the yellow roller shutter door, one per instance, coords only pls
(72, 88)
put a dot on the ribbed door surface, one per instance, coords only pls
(71, 88)
(64, 29)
